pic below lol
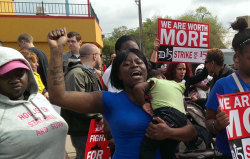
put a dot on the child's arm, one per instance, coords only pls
(148, 109)
(140, 91)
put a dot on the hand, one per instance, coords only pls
(162, 70)
(194, 98)
(57, 38)
(101, 121)
(147, 108)
(46, 95)
(160, 131)
(222, 120)
(156, 44)
(106, 130)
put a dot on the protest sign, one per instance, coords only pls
(182, 41)
(97, 145)
(237, 107)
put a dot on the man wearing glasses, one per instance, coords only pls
(74, 43)
(81, 76)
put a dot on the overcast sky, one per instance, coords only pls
(115, 13)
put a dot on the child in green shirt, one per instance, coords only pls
(168, 104)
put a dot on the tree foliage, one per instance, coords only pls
(201, 14)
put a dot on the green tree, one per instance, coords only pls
(217, 31)
(201, 14)
(109, 42)
(109, 48)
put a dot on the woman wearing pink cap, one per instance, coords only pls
(29, 126)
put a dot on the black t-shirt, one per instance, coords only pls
(43, 64)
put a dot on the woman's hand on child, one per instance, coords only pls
(159, 131)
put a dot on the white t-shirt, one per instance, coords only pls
(107, 81)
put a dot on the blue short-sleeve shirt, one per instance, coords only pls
(128, 123)
(224, 85)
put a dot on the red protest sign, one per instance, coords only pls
(237, 107)
(182, 41)
(97, 145)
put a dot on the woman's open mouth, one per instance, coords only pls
(136, 74)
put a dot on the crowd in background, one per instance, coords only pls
(133, 96)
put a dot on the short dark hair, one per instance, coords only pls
(242, 38)
(122, 56)
(154, 73)
(122, 40)
(215, 55)
(26, 37)
(72, 34)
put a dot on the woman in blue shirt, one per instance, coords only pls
(127, 121)
(217, 120)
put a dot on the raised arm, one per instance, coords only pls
(140, 91)
(153, 57)
(197, 78)
(76, 101)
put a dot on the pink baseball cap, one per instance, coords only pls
(12, 65)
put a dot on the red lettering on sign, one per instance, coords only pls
(183, 33)
(95, 154)
(237, 107)
(248, 151)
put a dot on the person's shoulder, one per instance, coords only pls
(106, 73)
(35, 49)
(228, 70)
(66, 54)
(112, 94)
(38, 52)
(39, 97)
(224, 82)
(77, 68)
(152, 79)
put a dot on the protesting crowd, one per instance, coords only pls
(145, 109)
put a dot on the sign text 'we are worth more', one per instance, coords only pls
(182, 41)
